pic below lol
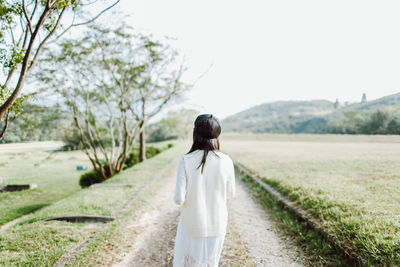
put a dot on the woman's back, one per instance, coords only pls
(204, 182)
(204, 211)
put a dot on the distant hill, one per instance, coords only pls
(316, 116)
(277, 117)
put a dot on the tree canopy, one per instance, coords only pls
(104, 78)
(26, 27)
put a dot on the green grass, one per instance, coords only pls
(116, 239)
(54, 173)
(35, 243)
(318, 251)
(349, 184)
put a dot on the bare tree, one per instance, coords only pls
(26, 27)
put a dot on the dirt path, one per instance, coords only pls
(155, 228)
(259, 234)
(252, 239)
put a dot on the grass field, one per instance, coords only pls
(35, 243)
(54, 172)
(349, 184)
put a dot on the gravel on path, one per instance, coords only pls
(156, 229)
(252, 238)
(260, 235)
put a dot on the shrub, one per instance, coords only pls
(132, 158)
(151, 151)
(89, 178)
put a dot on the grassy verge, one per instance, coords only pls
(108, 245)
(351, 188)
(36, 243)
(318, 251)
(54, 173)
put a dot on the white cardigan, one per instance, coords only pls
(204, 196)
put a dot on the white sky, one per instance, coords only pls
(263, 51)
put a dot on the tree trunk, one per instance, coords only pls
(142, 148)
(21, 80)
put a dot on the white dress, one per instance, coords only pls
(194, 251)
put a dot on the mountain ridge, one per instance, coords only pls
(302, 116)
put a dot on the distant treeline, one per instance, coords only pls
(44, 123)
(378, 122)
(37, 123)
(380, 116)
(350, 122)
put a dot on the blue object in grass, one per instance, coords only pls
(81, 168)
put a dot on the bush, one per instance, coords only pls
(151, 151)
(89, 178)
(132, 158)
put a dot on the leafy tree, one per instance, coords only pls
(26, 28)
(376, 124)
(352, 122)
(159, 86)
(98, 78)
(71, 139)
(393, 127)
(37, 123)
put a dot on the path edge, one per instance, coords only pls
(302, 216)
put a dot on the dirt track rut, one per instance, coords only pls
(252, 238)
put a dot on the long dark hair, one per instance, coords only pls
(206, 130)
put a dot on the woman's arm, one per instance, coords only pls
(231, 181)
(180, 187)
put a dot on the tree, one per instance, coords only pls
(353, 121)
(26, 28)
(393, 127)
(364, 98)
(177, 124)
(98, 77)
(336, 105)
(159, 86)
(376, 123)
(36, 123)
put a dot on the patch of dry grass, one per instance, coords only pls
(352, 187)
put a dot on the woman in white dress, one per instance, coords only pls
(204, 183)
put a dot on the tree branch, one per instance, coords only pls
(34, 9)
(86, 22)
(83, 139)
(41, 45)
(5, 125)
(28, 20)
(10, 101)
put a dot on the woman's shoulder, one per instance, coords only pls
(223, 155)
(211, 152)
(218, 153)
(191, 154)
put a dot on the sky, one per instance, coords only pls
(257, 51)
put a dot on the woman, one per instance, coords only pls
(205, 181)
